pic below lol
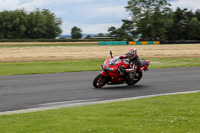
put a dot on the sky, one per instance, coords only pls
(92, 16)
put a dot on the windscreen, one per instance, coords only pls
(114, 61)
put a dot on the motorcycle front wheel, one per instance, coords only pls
(100, 81)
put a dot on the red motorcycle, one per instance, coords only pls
(111, 73)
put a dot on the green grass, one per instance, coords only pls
(167, 114)
(174, 62)
(49, 67)
(84, 65)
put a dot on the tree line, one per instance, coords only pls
(149, 19)
(19, 24)
(155, 20)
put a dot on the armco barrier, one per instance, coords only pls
(113, 43)
(143, 42)
(129, 42)
(156, 42)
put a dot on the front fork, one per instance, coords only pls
(104, 73)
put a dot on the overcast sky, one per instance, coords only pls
(92, 16)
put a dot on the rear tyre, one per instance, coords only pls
(130, 81)
(100, 81)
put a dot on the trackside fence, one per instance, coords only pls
(129, 42)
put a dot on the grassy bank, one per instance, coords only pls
(167, 114)
(84, 65)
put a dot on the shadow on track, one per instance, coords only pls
(122, 87)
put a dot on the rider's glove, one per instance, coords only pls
(122, 70)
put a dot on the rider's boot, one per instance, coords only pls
(136, 75)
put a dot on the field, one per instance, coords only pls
(157, 114)
(162, 114)
(65, 52)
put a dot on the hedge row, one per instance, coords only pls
(181, 42)
(91, 40)
(54, 40)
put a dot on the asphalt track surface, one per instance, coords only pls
(31, 91)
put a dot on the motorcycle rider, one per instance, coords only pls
(134, 62)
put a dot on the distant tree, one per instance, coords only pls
(76, 33)
(148, 15)
(116, 33)
(197, 14)
(19, 24)
(125, 32)
(36, 24)
(194, 29)
(113, 31)
(36, 28)
(161, 21)
(87, 37)
(179, 28)
(13, 24)
(153, 19)
(52, 24)
(100, 35)
(43, 24)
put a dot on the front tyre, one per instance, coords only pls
(132, 81)
(100, 81)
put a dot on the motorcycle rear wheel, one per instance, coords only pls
(132, 82)
(100, 81)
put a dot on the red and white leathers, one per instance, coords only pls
(134, 64)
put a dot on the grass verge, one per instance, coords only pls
(167, 114)
(18, 68)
